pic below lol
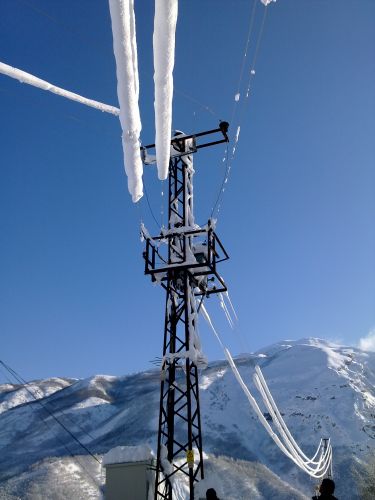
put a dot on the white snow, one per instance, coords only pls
(315, 399)
(164, 47)
(89, 403)
(122, 454)
(267, 2)
(25, 77)
(125, 49)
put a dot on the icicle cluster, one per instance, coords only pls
(125, 49)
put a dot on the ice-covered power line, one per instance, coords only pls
(125, 49)
(262, 386)
(309, 465)
(164, 53)
(314, 468)
(24, 77)
(242, 96)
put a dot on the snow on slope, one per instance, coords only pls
(11, 395)
(322, 389)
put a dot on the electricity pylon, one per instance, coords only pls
(183, 260)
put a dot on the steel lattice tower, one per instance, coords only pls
(183, 260)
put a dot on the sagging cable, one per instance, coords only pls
(326, 457)
(260, 382)
(290, 443)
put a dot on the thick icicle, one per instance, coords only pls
(24, 77)
(125, 49)
(164, 47)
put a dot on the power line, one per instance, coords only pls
(93, 43)
(51, 414)
(64, 445)
(149, 206)
(230, 156)
(250, 30)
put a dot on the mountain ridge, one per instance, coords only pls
(323, 389)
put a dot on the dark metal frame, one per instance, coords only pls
(179, 413)
(158, 266)
(194, 145)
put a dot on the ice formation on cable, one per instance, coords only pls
(285, 442)
(164, 48)
(236, 138)
(30, 79)
(125, 49)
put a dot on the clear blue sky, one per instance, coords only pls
(297, 217)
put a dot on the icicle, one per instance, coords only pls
(226, 294)
(125, 49)
(164, 47)
(237, 134)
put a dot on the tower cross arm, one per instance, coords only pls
(191, 141)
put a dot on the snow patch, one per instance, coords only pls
(123, 454)
(267, 2)
(89, 403)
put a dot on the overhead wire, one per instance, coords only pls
(270, 402)
(71, 30)
(50, 413)
(6, 376)
(38, 391)
(288, 440)
(249, 33)
(243, 100)
(92, 42)
(324, 463)
(74, 457)
(149, 205)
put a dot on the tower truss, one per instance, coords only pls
(183, 259)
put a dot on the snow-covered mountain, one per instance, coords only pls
(322, 390)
